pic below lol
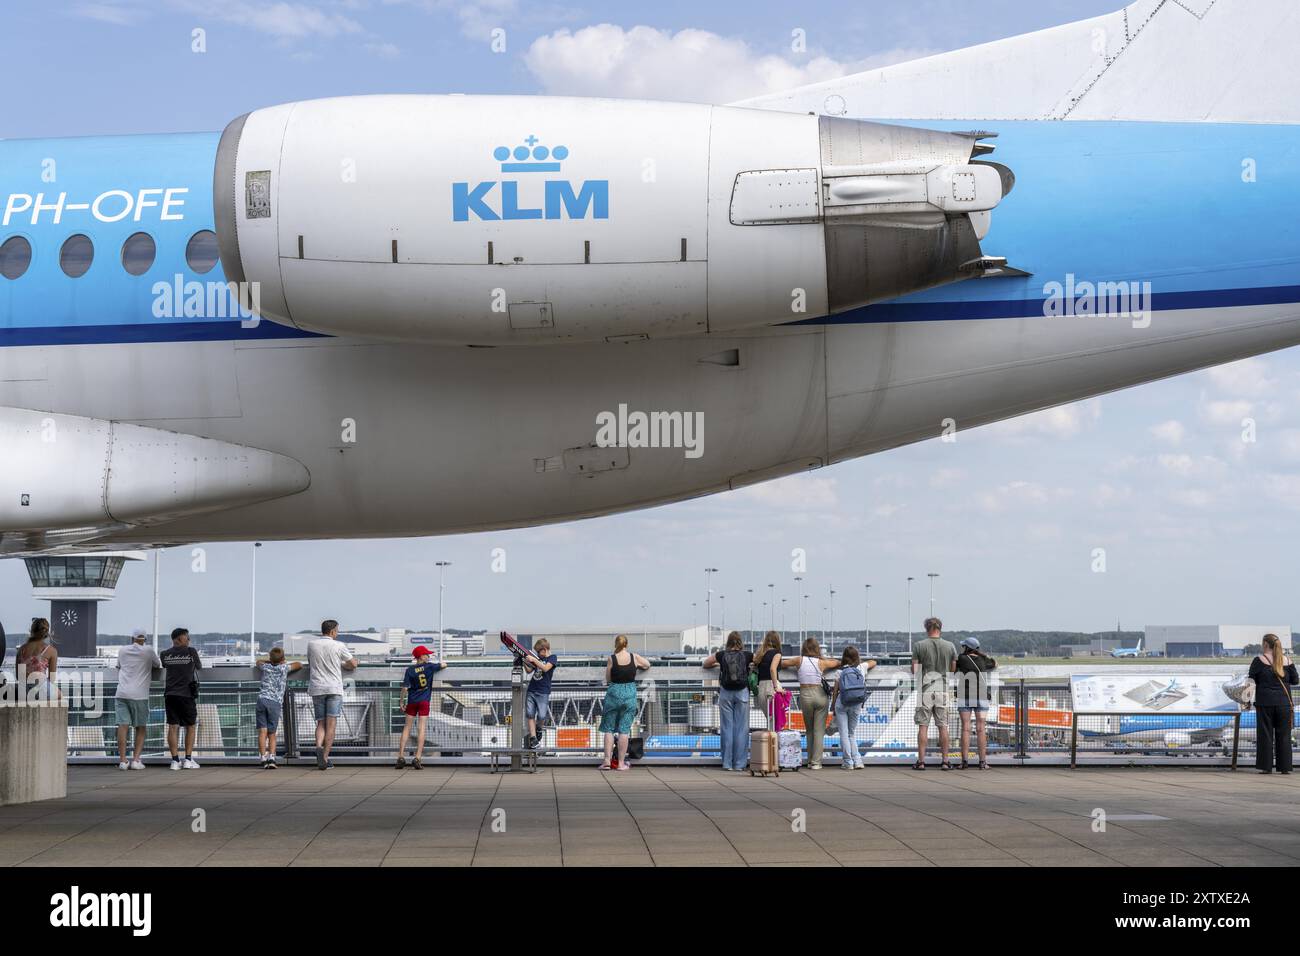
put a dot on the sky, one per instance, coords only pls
(1146, 506)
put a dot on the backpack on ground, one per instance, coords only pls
(853, 687)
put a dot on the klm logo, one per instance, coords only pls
(560, 198)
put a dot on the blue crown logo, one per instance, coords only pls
(531, 157)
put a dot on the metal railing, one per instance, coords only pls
(1143, 732)
(677, 716)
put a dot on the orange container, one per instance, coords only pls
(572, 738)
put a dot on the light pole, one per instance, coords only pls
(909, 615)
(708, 600)
(252, 623)
(782, 620)
(832, 619)
(798, 589)
(803, 621)
(645, 629)
(751, 612)
(722, 600)
(932, 576)
(157, 556)
(771, 596)
(442, 568)
(867, 620)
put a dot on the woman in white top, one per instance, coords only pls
(814, 703)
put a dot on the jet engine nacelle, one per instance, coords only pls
(485, 220)
(1177, 738)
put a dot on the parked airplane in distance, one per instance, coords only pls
(1134, 651)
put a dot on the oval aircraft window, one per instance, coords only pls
(15, 257)
(138, 253)
(201, 252)
(75, 257)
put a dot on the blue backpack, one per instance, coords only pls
(853, 687)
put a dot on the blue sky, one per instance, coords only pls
(1197, 525)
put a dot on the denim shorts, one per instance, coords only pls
(537, 706)
(131, 713)
(268, 714)
(327, 705)
(980, 705)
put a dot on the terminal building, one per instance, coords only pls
(1209, 640)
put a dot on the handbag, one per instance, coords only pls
(635, 748)
(1241, 689)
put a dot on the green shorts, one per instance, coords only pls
(132, 713)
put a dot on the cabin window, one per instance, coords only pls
(138, 253)
(75, 257)
(15, 257)
(201, 251)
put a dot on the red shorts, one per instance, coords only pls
(418, 710)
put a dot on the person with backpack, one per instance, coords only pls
(1274, 674)
(847, 698)
(973, 697)
(733, 663)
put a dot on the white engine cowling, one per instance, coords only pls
(488, 220)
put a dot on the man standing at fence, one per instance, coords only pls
(934, 659)
(135, 664)
(327, 658)
(181, 696)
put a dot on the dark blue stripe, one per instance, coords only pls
(220, 331)
(1033, 307)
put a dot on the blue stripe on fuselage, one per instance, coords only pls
(1167, 204)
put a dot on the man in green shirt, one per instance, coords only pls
(934, 659)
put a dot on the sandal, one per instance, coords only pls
(964, 765)
(984, 765)
(919, 765)
(945, 766)
(606, 766)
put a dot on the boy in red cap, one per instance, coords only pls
(417, 689)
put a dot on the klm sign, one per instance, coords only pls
(561, 199)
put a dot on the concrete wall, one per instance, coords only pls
(33, 753)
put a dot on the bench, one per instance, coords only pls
(529, 756)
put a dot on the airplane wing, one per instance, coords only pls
(1222, 61)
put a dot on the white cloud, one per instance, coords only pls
(1171, 432)
(1226, 412)
(283, 21)
(1064, 421)
(118, 14)
(796, 493)
(691, 65)
(1247, 378)
(385, 51)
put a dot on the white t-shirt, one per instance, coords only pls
(135, 664)
(326, 658)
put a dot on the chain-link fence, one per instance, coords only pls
(678, 718)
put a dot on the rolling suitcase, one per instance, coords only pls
(789, 749)
(762, 751)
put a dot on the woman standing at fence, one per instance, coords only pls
(1274, 674)
(38, 659)
(814, 702)
(766, 663)
(619, 708)
(733, 663)
(973, 698)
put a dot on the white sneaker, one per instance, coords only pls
(137, 764)
(122, 765)
(191, 764)
(176, 763)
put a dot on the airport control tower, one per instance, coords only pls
(75, 584)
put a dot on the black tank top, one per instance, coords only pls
(622, 673)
